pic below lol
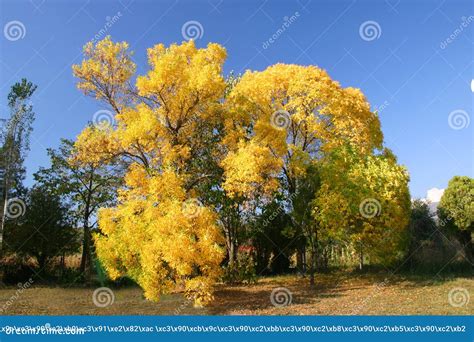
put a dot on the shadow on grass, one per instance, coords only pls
(330, 285)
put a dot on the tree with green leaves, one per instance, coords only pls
(365, 200)
(456, 211)
(274, 237)
(422, 227)
(14, 144)
(45, 231)
(86, 186)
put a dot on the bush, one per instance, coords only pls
(242, 271)
(17, 272)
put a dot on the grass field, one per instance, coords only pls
(334, 294)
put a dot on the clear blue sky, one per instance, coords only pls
(409, 71)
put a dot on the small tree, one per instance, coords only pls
(87, 186)
(456, 210)
(45, 231)
(422, 226)
(365, 199)
(422, 222)
(274, 237)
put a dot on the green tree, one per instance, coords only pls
(86, 186)
(456, 210)
(14, 144)
(273, 237)
(15, 136)
(422, 226)
(45, 231)
(366, 200)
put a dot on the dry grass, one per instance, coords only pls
(337, 294)
(334, 294)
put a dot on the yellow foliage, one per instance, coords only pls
(158, 234)
(160, 240)
(251, 170)
(106, 69)
(180, 124)
(366, 196)
(294, 112)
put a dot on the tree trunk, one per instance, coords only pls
(303, 254)
(299, 261)
(361, 256)
(232, 252)
(86, 261)
(63, 264)
(466, 242)
(82, 268)
(41, 262)
(231, 245)
(312, 267)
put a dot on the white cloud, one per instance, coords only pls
(434, 195)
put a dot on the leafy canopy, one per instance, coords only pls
(159, 234)
(197, 147)
(457, 202)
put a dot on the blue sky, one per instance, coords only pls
(405, 65)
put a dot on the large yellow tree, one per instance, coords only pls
(159, 234)
(281, 123)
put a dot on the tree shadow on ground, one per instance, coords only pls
(257, 297)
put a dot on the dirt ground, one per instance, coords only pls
(334, 294)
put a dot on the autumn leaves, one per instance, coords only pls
(188, 135)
